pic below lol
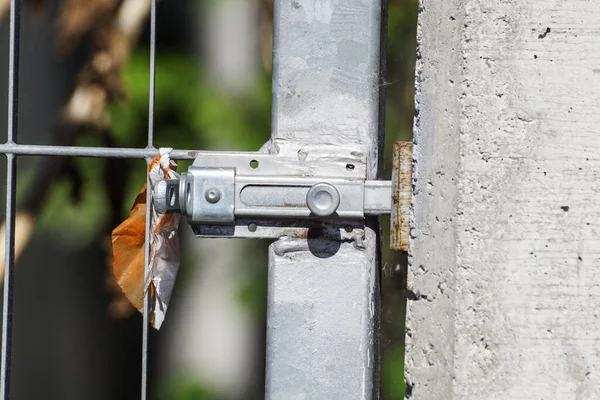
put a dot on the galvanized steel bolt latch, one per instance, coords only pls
(259, 195)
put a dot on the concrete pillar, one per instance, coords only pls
(504, 277)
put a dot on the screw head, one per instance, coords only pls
(323, 199)
(212, 195)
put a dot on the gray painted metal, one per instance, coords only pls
(322, 336)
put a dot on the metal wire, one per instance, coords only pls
(102, 152)
(152, 75)
(146, 325)
(11, 181)
(146, 321)
(7, 311)
(11, 149)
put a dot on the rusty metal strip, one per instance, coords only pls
(401, 195)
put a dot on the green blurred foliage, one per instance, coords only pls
(401, 57)
(252, 294)
(86, 218)
(190, 114)
(183, 388)
(392, 373)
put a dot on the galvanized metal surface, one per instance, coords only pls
(167, 196)
(322, 336)
(323, 199)
(200, 206)
(347, 165)
(288, 197)
(378, 197)
(401, 195)
(221, 188)
(269, 192)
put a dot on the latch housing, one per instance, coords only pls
(238, 194)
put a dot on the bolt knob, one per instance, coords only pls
(323, 199)
(166, 196)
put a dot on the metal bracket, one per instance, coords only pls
(244, 194)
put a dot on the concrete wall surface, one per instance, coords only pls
(504, 281)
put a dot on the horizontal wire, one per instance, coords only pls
(76, 151)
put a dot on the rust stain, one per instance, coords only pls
(302, 235)
(401, 195)
(286, 204)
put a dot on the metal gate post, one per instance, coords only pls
(323, 299)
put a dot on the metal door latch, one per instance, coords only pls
(227, 194)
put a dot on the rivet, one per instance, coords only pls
(212, 195)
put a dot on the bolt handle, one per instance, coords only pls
(166, 196)
(323, 199)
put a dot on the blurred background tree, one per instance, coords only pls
(75, 337)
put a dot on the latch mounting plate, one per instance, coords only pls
(258, 195)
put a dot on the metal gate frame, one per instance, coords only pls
(328, 99)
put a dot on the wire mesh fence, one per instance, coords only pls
(12, 149)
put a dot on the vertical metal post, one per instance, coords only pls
(11, 181)
(323, 301)
(146, 314)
